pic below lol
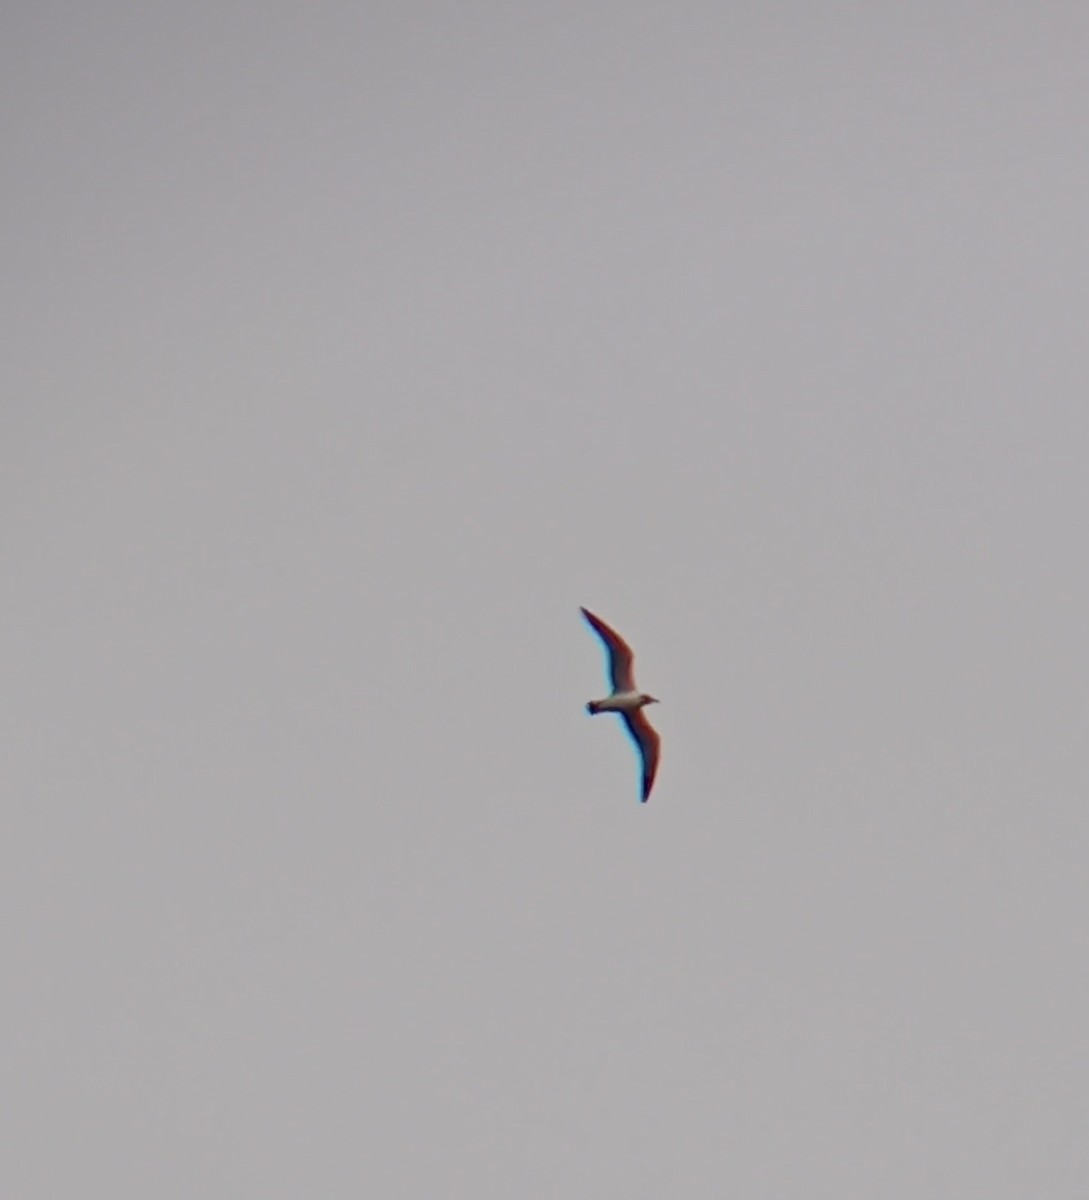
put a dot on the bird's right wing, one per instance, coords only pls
(649, 743)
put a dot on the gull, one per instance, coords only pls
(626, 700)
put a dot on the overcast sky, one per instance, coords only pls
(350, 348)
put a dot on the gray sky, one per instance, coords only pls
(351, 347)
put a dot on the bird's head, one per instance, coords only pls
(644, 700)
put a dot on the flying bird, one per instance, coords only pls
(626, 700)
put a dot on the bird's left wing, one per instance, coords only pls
(621, 657)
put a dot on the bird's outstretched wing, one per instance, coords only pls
(621, 658)
(648, 741)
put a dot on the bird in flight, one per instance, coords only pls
(626, 699)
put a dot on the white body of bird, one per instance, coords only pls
(620, 702)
